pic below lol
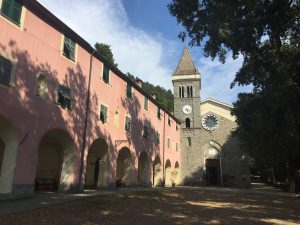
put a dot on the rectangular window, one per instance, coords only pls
(176, 147)
(69, 48)
(191, 91)
(169, 121)
(127, 123)
(129, 91)
(103, 114)
(145, 131)
(12, 9)
(168, 142)
(157, 137)
(6, 67)
(180, 96)
(146, 103)
(188, 91)
(105, 76)
(158, 113)
(64, 97)
(189, 141)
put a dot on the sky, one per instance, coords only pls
(143, 38)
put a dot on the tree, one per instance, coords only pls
(266, 33)
(163, 96)
(105, 51)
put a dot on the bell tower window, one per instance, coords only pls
(187, 123)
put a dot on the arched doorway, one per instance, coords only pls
(213, 169)
(123, 174)
(168, 178)
(157, 172)
(143, 169)
(175, 174)
(97, 165)
(8, 153)
(55, 162)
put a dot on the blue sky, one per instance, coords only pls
(143, 38)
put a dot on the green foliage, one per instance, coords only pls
(267, 35)
(163, 96)
(105, 51)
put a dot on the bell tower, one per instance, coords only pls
(186, 83)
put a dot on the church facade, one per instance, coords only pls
(210, 154)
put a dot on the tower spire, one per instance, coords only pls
(186, 65)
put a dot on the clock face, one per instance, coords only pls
(187, 109)
(210, 122)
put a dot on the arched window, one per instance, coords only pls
(42, 86)
(187, 123)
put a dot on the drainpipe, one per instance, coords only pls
(164, 132)
(87, 107)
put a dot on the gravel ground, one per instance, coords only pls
(167, 206)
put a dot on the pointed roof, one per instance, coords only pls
(186, 65)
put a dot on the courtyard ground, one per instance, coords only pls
(167, 206)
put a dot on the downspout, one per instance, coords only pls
(164, 131)
(87, 107)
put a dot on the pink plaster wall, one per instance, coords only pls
(37, 48)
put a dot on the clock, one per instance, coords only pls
(187, 109)
(210, 122)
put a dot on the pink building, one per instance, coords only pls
(68, 118)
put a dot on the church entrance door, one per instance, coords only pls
(213, 177)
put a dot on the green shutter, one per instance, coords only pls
(129, 90)
(104, 110)
(5, 71)
(69, 48)
(128, 123)
(146, 103)
(106, 74)
(12, 9)
(158, 113)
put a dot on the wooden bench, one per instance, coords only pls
(46, 184)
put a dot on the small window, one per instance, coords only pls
(127, 123)
(189, 141)
(182, 92)
(6, 67)
(157, 137)
(168, 142)
(69, 48)
(191, 91)
(187, 123)
(188, 91)
(180, 96)
(169, 121)
(176, 147)
(64, 97)
(105, 76)
(103, 114)
(145, 131)
(129, 90)
(158, 113)
(12, 9)
(146, 103)
(42, 86)
(116, 119)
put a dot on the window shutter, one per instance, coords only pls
(5, 7)
(5, 70)
(16, 12)
(106, 74)
(128, 91)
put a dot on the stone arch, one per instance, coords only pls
(97, 165)
(168, 171)
(124, 164)
(143, 169)
(157, 172)
(8, 152)
(187, 123)
(42, 86)
(213, 163)
(55, 162)
(176, 174)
